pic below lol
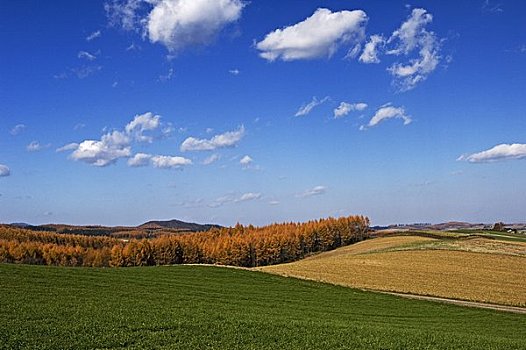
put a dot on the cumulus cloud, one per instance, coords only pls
(316, 191)
(388, 112)
(105, 151)
(307, 108)
(94, 35)
(225, 140)
(497, 153)
(180, 23)
(158, 161)
(320, 35)
(176, 24)
(371, 48)
(17, 129)
(169, 162)
(4, 170)
(411, 36)
(139, 159)
(345, 108)
(115, 144)
(246, 161)
(141, 123)
(410, 33)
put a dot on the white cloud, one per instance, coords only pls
(17, 129)
(360, 106)
(34, 146)
(492, 7)
(211, 159)
(117, 144)
(233, 198)
(168, 76)
(94, 35)
(388, 112)
(497, 153)
(353, 52)
(273, 202)
(4, 170)
(412, 35)
(79, 126)
(320, 35)
(169, 162)
(246, 161)
(227, 139)
(139, 159)
(250, 196)
(86, 55)
(85, 71)
(133, 47)
(342, 110)
(307, 108)
(234, 71)
(141, 123)
(316, 191)
(221, 201)
(123, 13)
(108, 150)
(345, 108)
(180, 23)
(68, 147)
(370, 50)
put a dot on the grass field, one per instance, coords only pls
(199, 307)
(476, 269)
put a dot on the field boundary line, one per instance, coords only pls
(497, 307)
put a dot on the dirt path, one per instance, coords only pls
(514, 309)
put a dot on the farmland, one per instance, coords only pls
(448, 265)
(200, 307)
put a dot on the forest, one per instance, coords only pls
(245, 246)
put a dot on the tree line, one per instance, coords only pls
(240, 245)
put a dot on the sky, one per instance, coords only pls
(222, 111)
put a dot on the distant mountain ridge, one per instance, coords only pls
(177, 224)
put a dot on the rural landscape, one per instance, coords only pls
(234, 174)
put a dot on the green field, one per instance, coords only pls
(199, 307)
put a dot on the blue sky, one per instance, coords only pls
(118, 112)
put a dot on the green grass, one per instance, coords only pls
(199, 307)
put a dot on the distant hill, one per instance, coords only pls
(177, 224)
(19, 224)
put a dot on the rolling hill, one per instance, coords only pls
(203, 307)
(453, 266)
(177, 224)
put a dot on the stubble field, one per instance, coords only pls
(475, 269)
